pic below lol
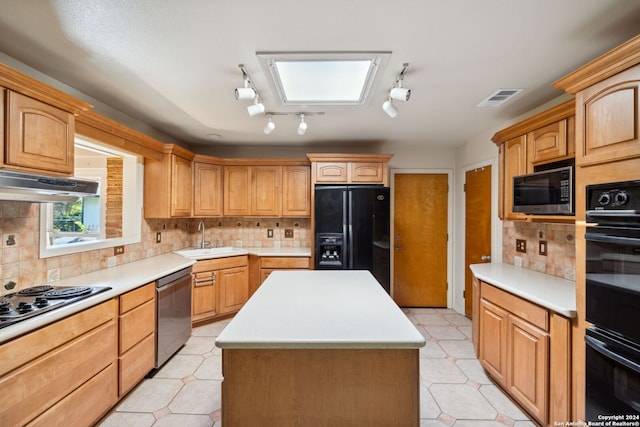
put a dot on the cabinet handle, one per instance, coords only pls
(204, 282)
(485, 257)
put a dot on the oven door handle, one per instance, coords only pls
(605, 238)
(601, 348)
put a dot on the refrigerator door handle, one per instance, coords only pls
(350, 233)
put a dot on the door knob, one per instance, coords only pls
(485, 257)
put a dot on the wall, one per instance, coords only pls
(19, 261)
(561, 253)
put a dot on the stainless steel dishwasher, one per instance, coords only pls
(173, 320)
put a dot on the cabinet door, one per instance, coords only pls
(493, 340)
(331, 172)
(515, 163)
(611, 119)
(181, 190)
(548, 142)
(528, 371)
(237, 190)
(296, 191)
(207, 187)
(266, 190)
(204, 294)
(39, 136)
(366, 173)
(234, 289)
(475, 314)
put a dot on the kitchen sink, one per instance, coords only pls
(206, 252)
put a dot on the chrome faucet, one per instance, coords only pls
(203, 243)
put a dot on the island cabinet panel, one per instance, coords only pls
(611, 116)
(77, 355)
(327, 387)
(136, 336)
(39, 136)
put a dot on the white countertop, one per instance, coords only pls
(555, 293)
(121, 279)
(320, 309)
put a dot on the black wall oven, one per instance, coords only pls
(613, 302)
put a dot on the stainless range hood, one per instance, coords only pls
(20, 186)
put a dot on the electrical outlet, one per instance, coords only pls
(53, 275)
(517, 261)
(542, 247)
(521, 246)
(269, 233)
(118, 250)
(288, 233)
(158, 237)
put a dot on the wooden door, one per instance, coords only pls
(420, 240)
(477, 237)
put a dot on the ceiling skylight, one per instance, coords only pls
(322, 78)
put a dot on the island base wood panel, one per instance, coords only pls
(320, 387)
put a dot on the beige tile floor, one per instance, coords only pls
(454, 391)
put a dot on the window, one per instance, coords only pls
(111, 218)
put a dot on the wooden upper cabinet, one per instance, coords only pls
(366, 173)
(296, 191)
(39, 136)
(207, 188)
(548, 142)
(611, 111)
(331, 172)
(266, 190)
(168, 189)
(349, 168)
(237, 190)
(515, 163)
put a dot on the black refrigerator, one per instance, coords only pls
(352, 229)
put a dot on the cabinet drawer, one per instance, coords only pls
(136, 363)
(97, 396)
(38, 385)
(137, 324)
(284, 262)
(137, 297)
(28, 347)
(219, 263)
(526, 310)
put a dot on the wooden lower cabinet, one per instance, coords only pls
(62, 374)
(137, 343)
(522, 346)
(262, 267)
(220, 287)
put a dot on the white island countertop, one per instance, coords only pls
(554, 293)
(320, 309)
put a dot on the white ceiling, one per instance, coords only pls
(174, 63)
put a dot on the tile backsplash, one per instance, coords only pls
(560, 259)
(20, 224)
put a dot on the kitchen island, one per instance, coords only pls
(321, 348)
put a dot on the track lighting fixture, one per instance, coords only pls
(397, 92)
(302, 127)
(389, 108)
(256, 108)
(270, 126)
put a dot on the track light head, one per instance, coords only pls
(244, 93)
(302, 127)
(256, 108)
(389, 108)
(269, 127)
(400, 93)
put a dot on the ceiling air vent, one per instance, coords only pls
(499, 97)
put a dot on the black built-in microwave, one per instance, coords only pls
(547, 191)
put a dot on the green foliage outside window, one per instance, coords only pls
(67, 216)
